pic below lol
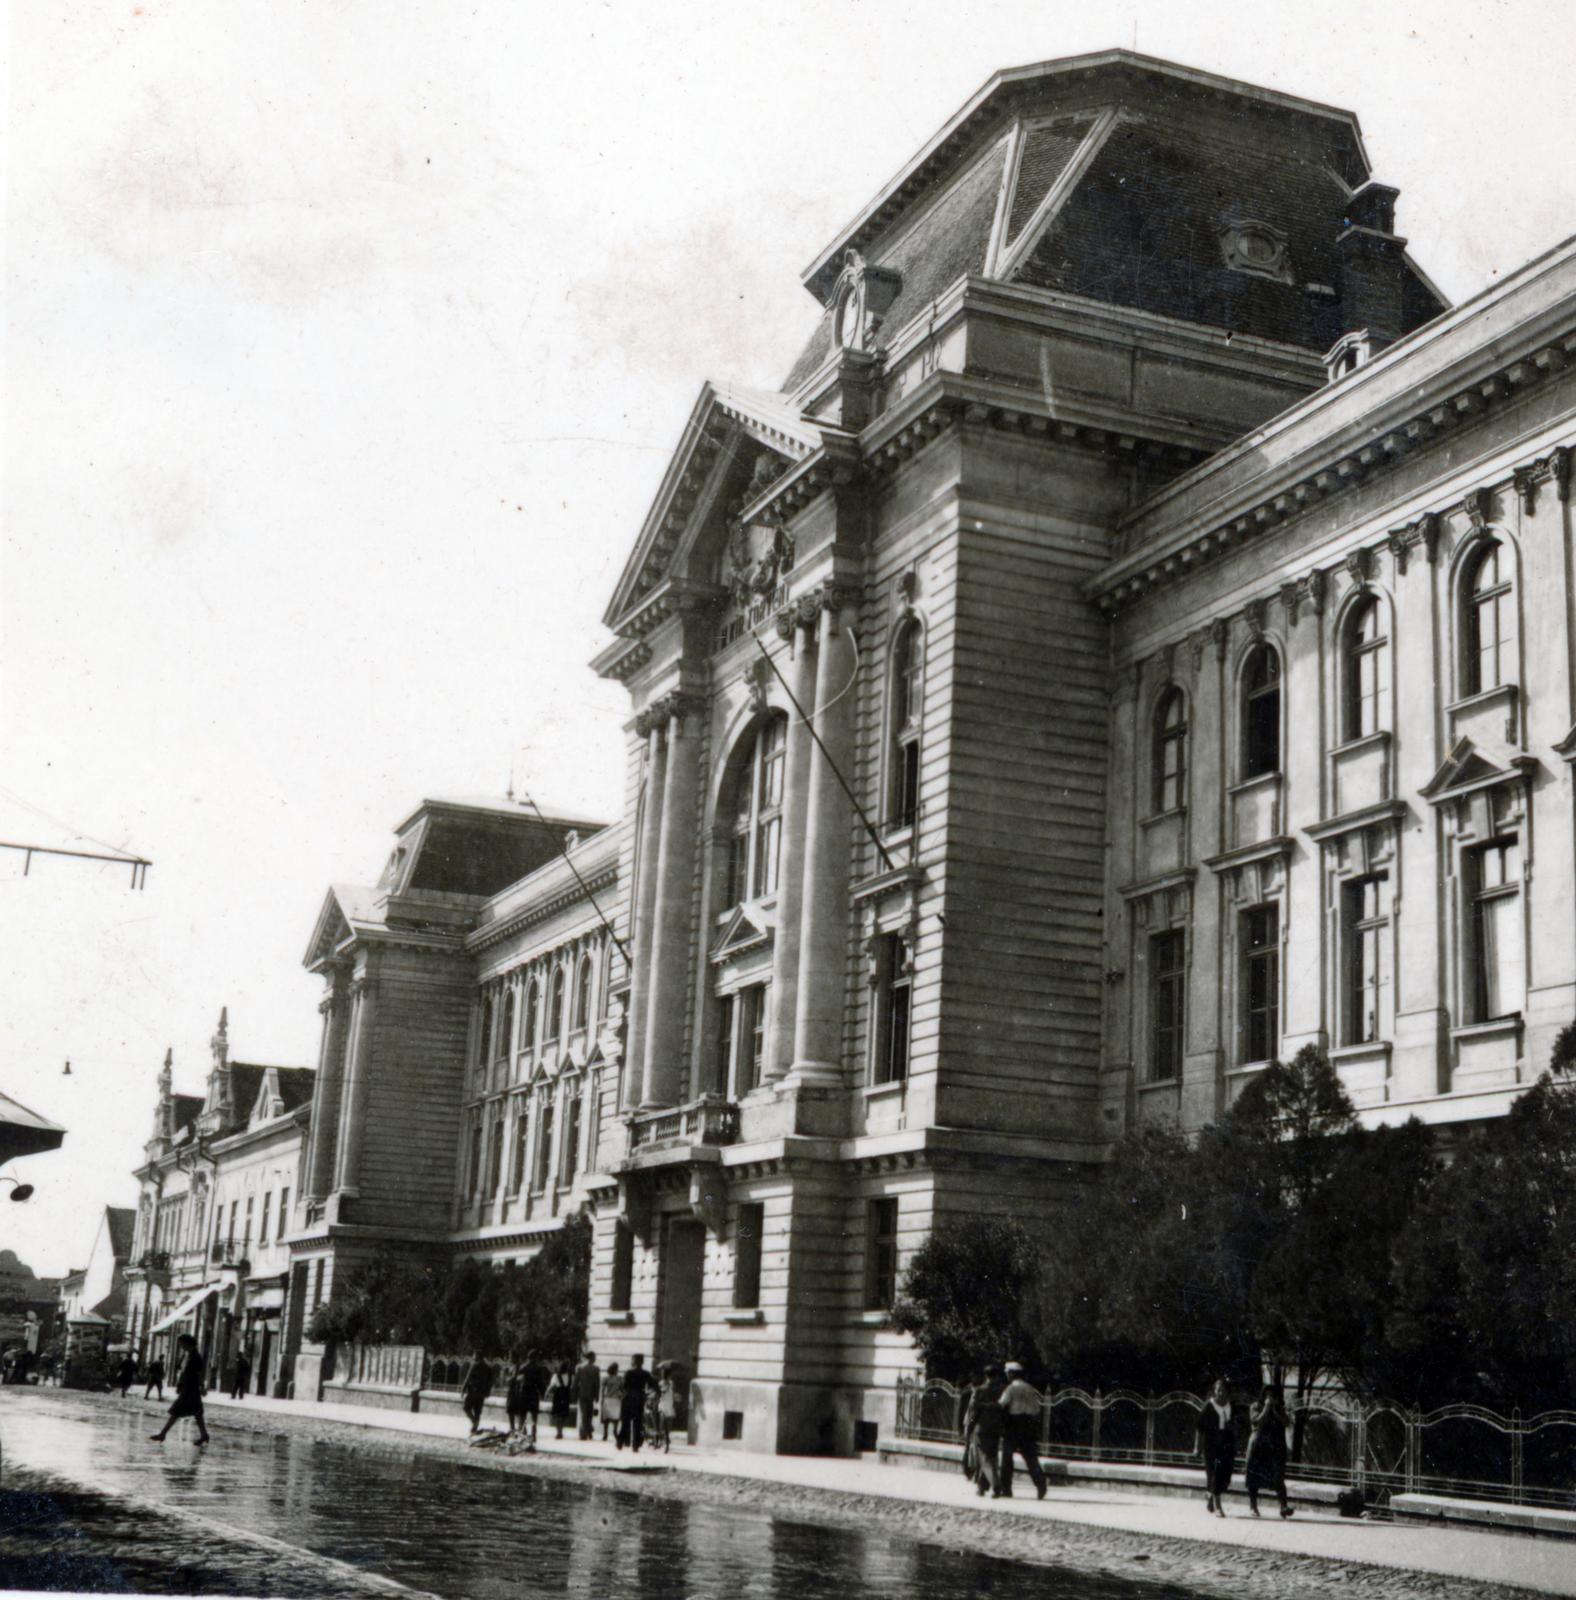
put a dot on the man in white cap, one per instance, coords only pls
(1020, 1406)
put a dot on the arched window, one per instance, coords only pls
(533, 1008)
(908, 669)
(582, 1013)
(757, 815)
(1367, 671)
(1489, 632)
(1170, 751)
(484, 1037)
(555, 1004)
(506, 1034)
(1261, 712)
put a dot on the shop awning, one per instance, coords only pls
(24, 1132)
(185, 1308)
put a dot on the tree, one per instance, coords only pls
(964, 1292)
(1486, 1270)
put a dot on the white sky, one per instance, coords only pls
(346, 342)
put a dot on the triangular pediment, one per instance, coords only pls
(736, 443)
(346, 909)
(1466, 768)
(747, 929)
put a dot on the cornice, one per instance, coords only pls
(539, 911)
(1319, 475)
(1526, 480)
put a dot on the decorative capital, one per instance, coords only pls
(908, 585)
(1524, 480)
(1254, 614)
(1317, 587)
(1196, 642)
(786, 621)
(1560, 472)
(1479, 507)
(1359, 566)
(1291, 598)
(1427, 527)
(1398, 541)
(1220, 632)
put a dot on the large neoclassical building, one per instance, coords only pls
(1134, 642)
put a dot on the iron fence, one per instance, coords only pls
(1377, 1446)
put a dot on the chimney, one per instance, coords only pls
(1372, 276)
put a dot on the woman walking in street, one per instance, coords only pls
(188, 1392)
(1265, 1467)
(562, 1395)
(1217, 1444)
(982, 1428)
(475, 1389)
(612, 1403)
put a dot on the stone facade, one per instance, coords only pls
(1135, 642)
(1092, 636)
(216, 1192)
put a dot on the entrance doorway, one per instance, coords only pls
(683, 1266)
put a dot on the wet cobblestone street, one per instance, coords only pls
(88, 1502)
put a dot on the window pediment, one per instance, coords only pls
(748, 928)
(1467, 771)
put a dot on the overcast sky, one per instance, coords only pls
(346, 343)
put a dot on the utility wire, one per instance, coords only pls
(837, 771)
(585, 887)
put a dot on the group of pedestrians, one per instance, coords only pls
(575, 1395)
(1001, 1420)
(1264, 1467)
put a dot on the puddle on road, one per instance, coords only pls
(277, 1515)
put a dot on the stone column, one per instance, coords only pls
(358, 1068)
(662, 1081)
(649, 725)
(823, 920)
(330, 1081)
(797, 624)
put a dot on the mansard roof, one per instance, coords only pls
(1137, 183)
(729, 431)
(1072, 81)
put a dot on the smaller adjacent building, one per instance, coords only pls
(217, 1183)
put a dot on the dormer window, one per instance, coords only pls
(1256, 248)
(1348, 353)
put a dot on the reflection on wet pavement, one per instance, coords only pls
(255, 1514)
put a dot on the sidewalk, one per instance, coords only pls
(1544, 1566)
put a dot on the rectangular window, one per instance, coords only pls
(473, 1188)
(495, 1152)
(1497, 953)
(745, 1014)
(284, 1211)
(1365, 917)
(1167, 1004)
(747, 1257)
(235, 1206)
(522, 1127)
(1261, 983)
(623, 1267)
(570, 1163)
(544, 1142)
(907, 782)
(317, 1286)
(724, 1057)
(262, 1227)
(880, 1255)
(894, 1009)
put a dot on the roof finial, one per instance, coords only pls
(221, 1040)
